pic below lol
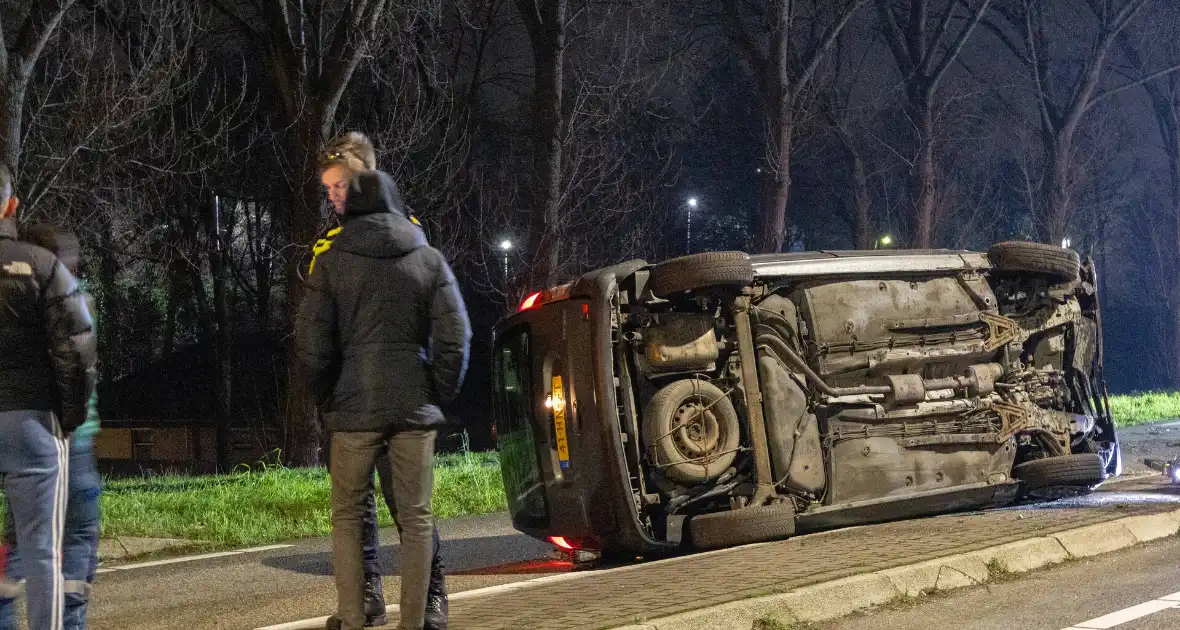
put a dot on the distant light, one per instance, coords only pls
(758, 170)
(506, 245)
(886, 240)
(1067, 242)
(692, 202)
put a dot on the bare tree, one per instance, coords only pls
(924, 54)
(312, 50)
(546, 22)
(1160, 46)
(798, 35)
(17, 61)
(846, 109)
(1066, 88)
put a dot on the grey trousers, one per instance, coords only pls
(34, 469)
(353, 459)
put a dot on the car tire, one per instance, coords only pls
(1058, 263)
(1084, 469)
(742, 527)
(690, 446)
(701, 271)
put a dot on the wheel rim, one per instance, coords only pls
(697, 432)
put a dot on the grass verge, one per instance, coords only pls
(1145, 408)
(275, 504)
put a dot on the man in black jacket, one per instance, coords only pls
(47, 375)
(347, 154)
(384, 336)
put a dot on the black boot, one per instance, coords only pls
(374, 602)
(437, 606)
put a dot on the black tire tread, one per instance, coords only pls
(701, 271)
(742, 527)
(1083, 469)
(1022, 256)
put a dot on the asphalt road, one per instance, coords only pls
(1160, 441)
(1086, 594)
(260, 589)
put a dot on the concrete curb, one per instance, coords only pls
(831, 600)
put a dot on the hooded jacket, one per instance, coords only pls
(382, 331)
(47, 345)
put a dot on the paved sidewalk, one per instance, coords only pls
(648, 591)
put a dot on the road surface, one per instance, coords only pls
(259, 589)
(1136, 589)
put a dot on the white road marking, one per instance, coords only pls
(1119, 617)
(391, 610)
(204, 556)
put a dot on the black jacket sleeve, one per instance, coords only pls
(450, 332)
(316, 335)
(72, 345)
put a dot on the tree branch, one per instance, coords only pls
(894, 38)
(828, 39)
(759, 63)
(38, 28)
(958, 46)
(932, 47)
(1151, 77)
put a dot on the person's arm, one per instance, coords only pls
(450, 333)
(315, 339)
(72, 345)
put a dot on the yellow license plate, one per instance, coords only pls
(563, 445)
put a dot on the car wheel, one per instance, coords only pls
(691, 430)
(701, 271)
(1058, 263)
(742, 527)
(1084, 469)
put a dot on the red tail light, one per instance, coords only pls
(531, 301)
(562, 542)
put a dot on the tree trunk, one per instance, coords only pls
(1056, 207)
(302, 428)
(860, 191)
(12, 99)
(925, 176)
(774, 213)
(546, 27)
(858, 179)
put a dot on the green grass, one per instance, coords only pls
(274, 504)
(1145, 408)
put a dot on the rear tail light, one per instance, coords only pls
(567, 543)
(540, 298)
(531, 301)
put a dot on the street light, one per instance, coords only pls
(692, 203)
(885, 241)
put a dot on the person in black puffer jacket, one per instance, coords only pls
(352, 152)
(383, 335)
(47, 375)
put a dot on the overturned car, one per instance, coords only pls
(720, 399)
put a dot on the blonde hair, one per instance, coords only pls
(351, 149)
